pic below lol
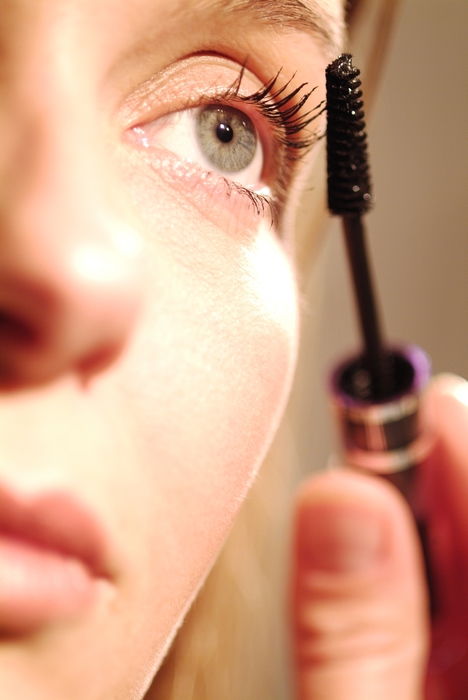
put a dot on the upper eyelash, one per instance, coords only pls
(283, 112)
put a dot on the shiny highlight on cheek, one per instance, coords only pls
(271, 281)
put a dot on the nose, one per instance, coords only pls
(70, 267)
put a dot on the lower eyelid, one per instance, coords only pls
(236, 210)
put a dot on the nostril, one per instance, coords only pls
(15, 331)
(27, 318)
(19, 340)
(27, 312)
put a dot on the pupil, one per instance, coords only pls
(224, 132)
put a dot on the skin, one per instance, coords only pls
(149, 330)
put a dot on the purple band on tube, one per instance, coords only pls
(383, 436)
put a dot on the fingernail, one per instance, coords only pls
(461, 392)
(453, 385)
(340, 538)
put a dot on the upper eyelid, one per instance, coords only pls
(152, 97)
(156, 108)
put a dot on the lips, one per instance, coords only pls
(53, 560)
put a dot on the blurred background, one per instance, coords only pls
(417, 234)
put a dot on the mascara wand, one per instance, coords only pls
(350, 196)
(376, 394)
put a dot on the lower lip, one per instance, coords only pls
(39, 585)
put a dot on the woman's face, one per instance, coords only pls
(147, 311)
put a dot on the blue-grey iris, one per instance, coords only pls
(227, 137)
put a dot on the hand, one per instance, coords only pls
(362, 629)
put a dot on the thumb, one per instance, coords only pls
(359, 600)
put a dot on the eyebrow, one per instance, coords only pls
(311, 16)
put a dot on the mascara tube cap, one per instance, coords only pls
(383, 436)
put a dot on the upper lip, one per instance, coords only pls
(58, 522)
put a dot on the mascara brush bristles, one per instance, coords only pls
(350, 196)
(349, 185)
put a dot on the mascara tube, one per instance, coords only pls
(388, 438)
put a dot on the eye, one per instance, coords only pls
(226, 137)
(217, 137)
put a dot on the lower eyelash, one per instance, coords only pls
(260, 202)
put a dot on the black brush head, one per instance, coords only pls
(349, 186)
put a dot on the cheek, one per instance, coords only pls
(207, 382)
